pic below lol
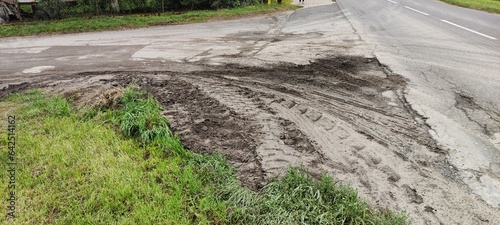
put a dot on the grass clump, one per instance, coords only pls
(485, 5)
(100, 23)
(75, 168)
(139, 116)
(72, 170)
(298, 198)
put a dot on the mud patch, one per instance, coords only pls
(345, 116)
(103, 96)
(204, 125)
(14, 88)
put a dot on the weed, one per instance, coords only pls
(485, 5)
(297, 198)
(140, 117)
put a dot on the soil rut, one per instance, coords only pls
(345, 116)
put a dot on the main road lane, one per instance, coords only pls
(468, 25)
(454, 76)
(479, 21)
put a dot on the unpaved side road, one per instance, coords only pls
(297, 88)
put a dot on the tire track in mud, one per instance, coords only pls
(281, 144)
(335, 146)
(266, 119)
(338, 148)
(366, 138)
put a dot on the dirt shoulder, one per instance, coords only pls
(268, 93)
(345, 116)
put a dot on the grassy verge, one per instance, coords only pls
(124, 166)
(485, 5)
(74, 25)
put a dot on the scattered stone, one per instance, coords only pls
(204, 128)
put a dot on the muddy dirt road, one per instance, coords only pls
(297, 88)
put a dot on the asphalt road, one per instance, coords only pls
(451, 55)
(474, 25)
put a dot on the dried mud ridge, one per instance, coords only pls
(346, 116)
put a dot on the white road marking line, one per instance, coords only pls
(393, 2)
(416, 10)
(465, 28)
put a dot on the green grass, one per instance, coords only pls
(124, 166)
(26, 8)
(77, 24)
(485, 5)
(139, 117)
(79, 171)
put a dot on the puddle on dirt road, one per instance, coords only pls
(346, 116)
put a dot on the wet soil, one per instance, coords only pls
(346, 116)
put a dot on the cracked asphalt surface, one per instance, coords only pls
(454, 76)
(319, 87)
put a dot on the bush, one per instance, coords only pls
(50, 9)
(56, 9)
(217, 4)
